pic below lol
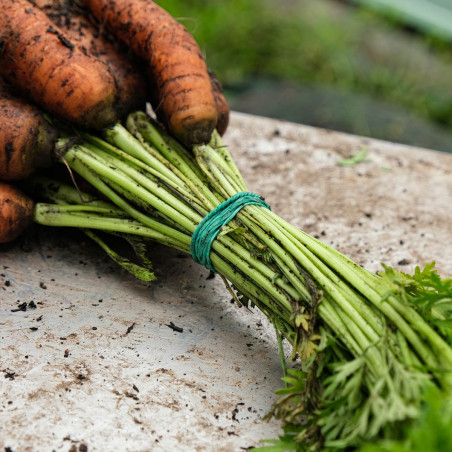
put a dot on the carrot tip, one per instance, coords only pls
(197, 132)
(16, 212)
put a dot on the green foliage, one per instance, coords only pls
(337, 402)
(431, 432)
(142, 272)
(285, 443)
(430, 294)
(359, 157)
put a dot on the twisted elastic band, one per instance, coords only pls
(207, 231)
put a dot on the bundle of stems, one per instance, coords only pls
(369, 344)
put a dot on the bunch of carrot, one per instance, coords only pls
(54, 55)
(371, 345)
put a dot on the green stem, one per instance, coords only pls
(376, 299)
(266, 271)
(220, 148)
(254, 275)
(182, 167)
(106, 171)
(346, 292)
(410, 315)
(254, 291)
(78, 165)
(175, 184)
(324, 282)
(60, 193)
(51, 215)
(214, 167)
(147, 183)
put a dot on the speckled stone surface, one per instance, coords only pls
(92, 365)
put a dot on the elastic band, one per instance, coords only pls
(207, 231)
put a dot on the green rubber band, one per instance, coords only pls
(210, 226)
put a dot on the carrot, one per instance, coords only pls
(26, 138)
(40, 60)
(127, 70)
(16, 212)
(220, 103)
(177, 64)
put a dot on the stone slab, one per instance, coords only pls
(94, 365)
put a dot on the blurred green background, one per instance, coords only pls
(360, 66)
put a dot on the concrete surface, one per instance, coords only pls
(92, 365)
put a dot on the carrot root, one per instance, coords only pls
(42, 62)
(26, 138)
(220, 103)
(127, 70)
(16, 212)
(179, 70)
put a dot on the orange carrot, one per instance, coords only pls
(16, 212)
(128, 71)
(220, 103)
(177, 64)
(39, 59)
(26, 138)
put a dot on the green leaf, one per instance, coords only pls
(228, 230)
(277, 446)
(140, 272)
(359, 157)
(431, 432)
(285, 443)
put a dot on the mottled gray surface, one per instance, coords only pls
(130, 383)
(401, 194)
